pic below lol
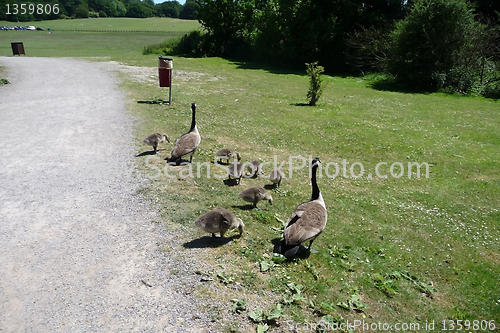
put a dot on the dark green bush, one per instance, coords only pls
(440, 46)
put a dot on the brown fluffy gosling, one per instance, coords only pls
(227, 154)
(155, 139)
(256, 194)
(219, 220)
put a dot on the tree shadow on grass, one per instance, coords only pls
(394, 86)
(254, 65)
(494, 96)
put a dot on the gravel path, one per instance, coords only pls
(75, 241)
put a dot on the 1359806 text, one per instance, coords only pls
(31, 8)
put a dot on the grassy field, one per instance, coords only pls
(114, 42)
(411, 250)
(395, 250)
(112, 23)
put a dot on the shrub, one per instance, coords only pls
(429, 45)
(316, 86)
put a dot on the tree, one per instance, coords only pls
(429, 42)
(225, 21)
(188, 11)
(82, 11)
(140, 10)
(169, 9)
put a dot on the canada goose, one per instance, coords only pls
(307, 221)
(227, 154)
(254, 168)
(275, 177)
(155, 139)
(236, 171)
(187, 143)
(219, 220)
(256, 194)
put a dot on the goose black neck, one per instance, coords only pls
(193, 120)
(315, 188)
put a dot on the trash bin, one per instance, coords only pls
(17, 48)
(165, 65)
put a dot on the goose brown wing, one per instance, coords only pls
(185, 144)
(306, 222)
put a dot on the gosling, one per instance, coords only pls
(155, 139)
(226, 154)
(235, 171)
(275, 177)
(253, 169)
(256, 194)
(219, 220)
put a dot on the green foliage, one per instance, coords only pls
(169, 9)
(385, 283)
(82, 11)
(258, 315)
(290, 32)
(439, 45)
(103, 8)
(316, 85)
(188, 11)
(353, 303)
(239, 305)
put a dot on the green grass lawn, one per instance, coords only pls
(413, 250)
(395, 250)
(114, 43)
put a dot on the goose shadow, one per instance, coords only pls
(178, 162)
(209, 242)
(231, 182)
(144, 153)
(302, 253)
(243, 207)
(270, 186)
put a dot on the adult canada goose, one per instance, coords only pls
(155, 139)
(275, 177)
(307, 221)
(219, 220)
(187, 143)
(236, 171)
(227, 154)
(256, 194)
(254, 168)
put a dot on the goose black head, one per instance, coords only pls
(315, 162)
